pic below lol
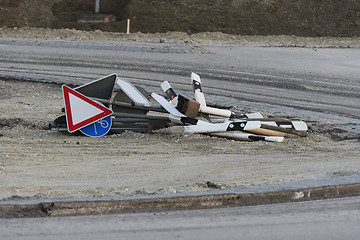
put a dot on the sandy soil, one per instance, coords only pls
(200, 39)
(37, 162)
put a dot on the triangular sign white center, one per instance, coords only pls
(81, 110)
(87, 110)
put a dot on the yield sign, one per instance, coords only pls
(81, 110)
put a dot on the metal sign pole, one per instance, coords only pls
(97, 6)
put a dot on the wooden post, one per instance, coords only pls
(128, 26)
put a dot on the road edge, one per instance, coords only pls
(141, 204)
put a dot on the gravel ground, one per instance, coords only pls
(36, 162)
(201, 39)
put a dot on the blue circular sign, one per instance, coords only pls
(98, 128)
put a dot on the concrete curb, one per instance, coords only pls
(71, 208)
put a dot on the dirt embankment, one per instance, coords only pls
(245, 17)
(31, 13)
(250, 17)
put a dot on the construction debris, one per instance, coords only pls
(95, 109)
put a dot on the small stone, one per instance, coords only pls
(171, 190)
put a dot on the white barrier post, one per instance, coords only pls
(128, 26)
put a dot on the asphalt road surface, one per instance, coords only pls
(322, 80)
(325, 219)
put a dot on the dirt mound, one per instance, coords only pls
(20, 13)
(18, 122)
(244, 17)
(249, 17)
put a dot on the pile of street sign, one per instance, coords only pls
(94, 109)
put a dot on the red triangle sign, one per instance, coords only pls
(81, 110)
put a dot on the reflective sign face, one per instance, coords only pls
(98, 128)
(80, 110)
